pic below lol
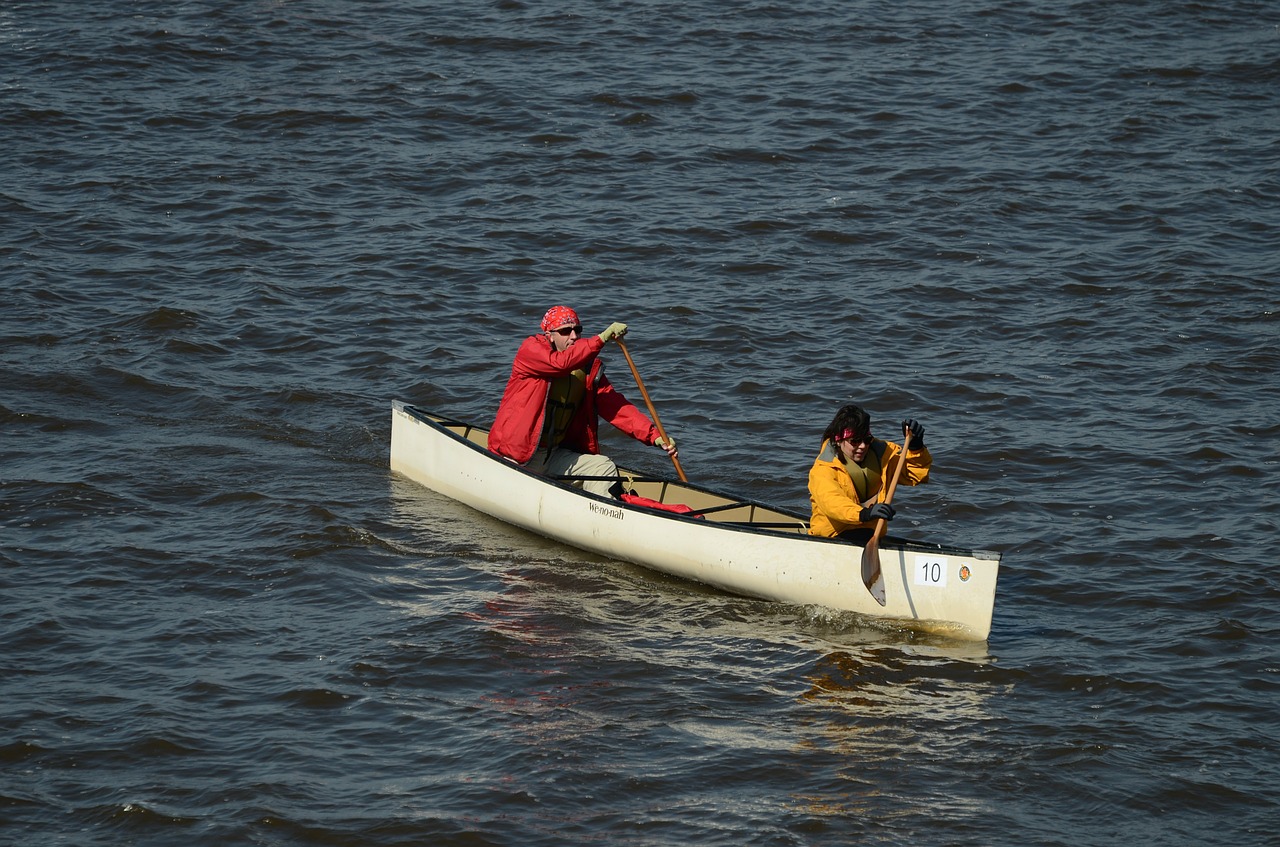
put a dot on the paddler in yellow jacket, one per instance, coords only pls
(847, 480)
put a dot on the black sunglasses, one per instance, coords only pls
(568, 329)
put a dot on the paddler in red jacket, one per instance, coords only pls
(548, 418)
(847, 479)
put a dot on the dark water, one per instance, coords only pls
(232, 233)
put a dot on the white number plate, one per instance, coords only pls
(931, 571)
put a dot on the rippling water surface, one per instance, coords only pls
(232, 234)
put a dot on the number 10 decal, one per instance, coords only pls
(931, 571)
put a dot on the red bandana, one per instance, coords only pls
(558, 317)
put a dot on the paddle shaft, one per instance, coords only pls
(871, 553)
(653, 413)
(893, 483)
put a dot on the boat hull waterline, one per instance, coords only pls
(738, 545)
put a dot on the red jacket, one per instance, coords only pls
(518, 424)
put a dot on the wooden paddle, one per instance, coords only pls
(652, 412)
(871, 576)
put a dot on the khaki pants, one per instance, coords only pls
(564, 462)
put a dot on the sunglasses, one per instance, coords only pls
(857, 439)
(566, 331)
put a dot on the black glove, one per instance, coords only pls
(917, 433)
(876, 512)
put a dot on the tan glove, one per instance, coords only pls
(668, 444)
(615, 330)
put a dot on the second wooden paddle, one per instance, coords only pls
(871, 576)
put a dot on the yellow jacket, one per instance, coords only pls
(834, 499)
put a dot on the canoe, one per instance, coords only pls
(732, 543)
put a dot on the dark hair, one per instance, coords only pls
(849, 417)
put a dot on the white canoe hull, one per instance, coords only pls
(929, 587)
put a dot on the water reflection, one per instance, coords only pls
(439, 524)
(901, 682)
(895, 718)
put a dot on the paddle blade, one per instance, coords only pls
(872, 577)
